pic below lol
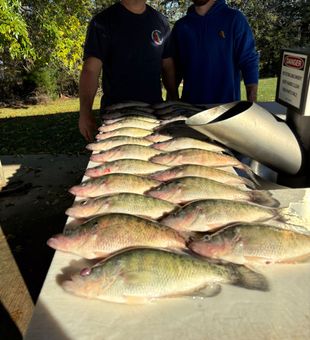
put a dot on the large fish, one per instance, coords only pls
(106, 234)
(132, 116)
(207, 215)
(140, 276)
(128, 122)
(128, 151)
(116, 114)
(216, 174)
(186, 189)
(120, 106)
(125, 131)
(180, 143)
(113, 183)
(200, 157)
(171, 103)
(134, 204)
(109, 143)
(131, 166)
(255, 243)
(157, 137)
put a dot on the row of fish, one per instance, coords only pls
(168, 216)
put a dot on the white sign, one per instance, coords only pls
(292, 78)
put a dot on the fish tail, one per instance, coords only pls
(249, 183)
(288, 215)
(249, 279)
(263, 197)
(248, 171)
(290, 220)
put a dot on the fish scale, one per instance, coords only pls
(141, 275)
(247, 243)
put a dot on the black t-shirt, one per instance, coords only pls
(131, 47)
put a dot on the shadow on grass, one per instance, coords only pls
(54, 134)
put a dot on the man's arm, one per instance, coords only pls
(251, 92)
(87, 90)
(169, 78)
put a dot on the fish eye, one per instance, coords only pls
(85, 272)
(206, 237)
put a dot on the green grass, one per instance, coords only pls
(266, 90)
(53, 127)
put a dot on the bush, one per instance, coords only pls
(43, 81)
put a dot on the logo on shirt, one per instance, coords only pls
(157, 37)
(222, 34)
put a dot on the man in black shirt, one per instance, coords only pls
(128, 42)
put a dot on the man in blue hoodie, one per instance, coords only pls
(212, 46)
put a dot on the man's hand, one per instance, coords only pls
(88, 126)
(88, 88)
(251, 92)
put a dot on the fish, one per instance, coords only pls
(178, 129)
(113, 183)
(128, 166)
(125, 131)
(186, 189)
(128, 151)
(134, 204)
(157, 137)
(109, 233)
(131, 116)
(120, 106)
(180, 143)
(255, 244)
(142, 275)
(216, 174)
(201, 157)
(115, 114)
(211, 214)
(170, 103)
(116, 141)
(128, 122)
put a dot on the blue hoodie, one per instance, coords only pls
(211, 51)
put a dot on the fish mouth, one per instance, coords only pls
(73, 284)
(157, 146)
(54, 242)
(73, 191)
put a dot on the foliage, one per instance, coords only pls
(14, 36)
(47, 36)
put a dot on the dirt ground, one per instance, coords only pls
(32, 209)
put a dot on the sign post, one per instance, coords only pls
(293, 91)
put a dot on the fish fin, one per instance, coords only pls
(263, 197)
(258, 260)
(248, 171)
(248, 183)
(136, 300)
(289, 216)
(247, 278)
(300, 259)
(210, 290)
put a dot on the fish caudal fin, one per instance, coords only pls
(248, 171)
(263, 197)
(249, 183)
(249, 279)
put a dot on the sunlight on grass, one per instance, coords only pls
(53, 107)
(266, 92)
